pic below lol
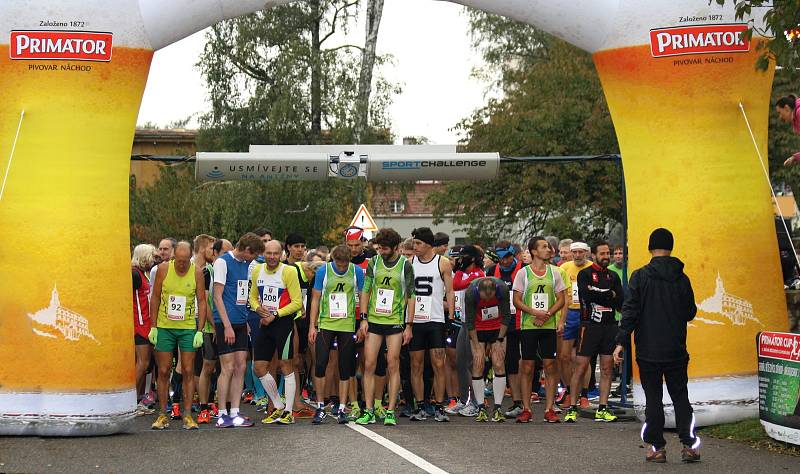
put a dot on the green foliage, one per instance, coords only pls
(552, 104)
(778, 16)
(750, 432)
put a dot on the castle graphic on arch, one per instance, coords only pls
(58, 322)
(732, 309)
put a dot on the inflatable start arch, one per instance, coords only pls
(72, 74)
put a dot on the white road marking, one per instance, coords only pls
(397, 449)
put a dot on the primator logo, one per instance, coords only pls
(61, 45)
(699, 39)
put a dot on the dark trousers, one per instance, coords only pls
(653, 375)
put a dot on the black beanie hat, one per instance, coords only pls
(424, 234)
(294, 238)
(661, 239)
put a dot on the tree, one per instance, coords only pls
(373, 22)
(552, 104)
(782, 22)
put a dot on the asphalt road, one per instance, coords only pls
(459, 446)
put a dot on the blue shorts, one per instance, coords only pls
(573, 325)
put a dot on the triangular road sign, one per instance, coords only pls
(364, 219)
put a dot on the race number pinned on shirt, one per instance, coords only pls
(459, 310)
(270, 299)
(488, 314)
(540, 301)
(176, 308)
(337, 302)
(385, 301)
(575, 299)
(242, 287)
(422, 308)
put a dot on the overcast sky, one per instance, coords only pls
(432, 61)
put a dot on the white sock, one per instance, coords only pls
(477, 390)
(320, 404)
(223, 413)
(234, 412)
(289, 388)
(341, 407)
(499, 389)
(271, 387)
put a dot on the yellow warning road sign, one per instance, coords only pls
(364, 219)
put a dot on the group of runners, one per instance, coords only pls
(373, 330)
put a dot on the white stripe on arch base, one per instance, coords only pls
(397, 449)
(80, 405)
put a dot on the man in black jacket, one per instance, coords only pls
(660, 303)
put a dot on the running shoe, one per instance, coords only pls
(175, 414)
(248, 397)
(454, 407)
(212, 407)
(513, 412)
(149, 399)
(334, 410)
(204, 417)
(143, 410)
(584, 402)
(535, 398)
(551, 417)
(430, 410)
(441, 416)
(498, 417)
(389, 419)
(571, 416)
(262, 403)
(285, 419)
(604, 415)
(482, 416)
(224, 421)
(380, 412)
(195, 407)
(367, 418)
(562, 397)
(406, 411)
(420, 415)
(656, 455)
(189, 423)
(593, 394)
(690, 455)
(241, 421)
(525, 416)
(272, 417)
(303, 413)
(161, 422)
(342, 418)
(319, 416)
(355, 412)
(557, 409)
(470, 410)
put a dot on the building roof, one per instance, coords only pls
(155, 135)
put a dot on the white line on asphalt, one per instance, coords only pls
(397, 449)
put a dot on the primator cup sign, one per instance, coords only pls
(673, 73)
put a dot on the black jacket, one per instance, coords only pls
(660, 303)
(600, 291)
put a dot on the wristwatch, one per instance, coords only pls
(274, 314)
(363, 316)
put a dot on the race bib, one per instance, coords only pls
(270, 298)
(598, 311)
(385, 301)
(242, 286)
(422, 309)
(459, 310)
(488, 314)
(176, 308)
(540, 301)
(575, 299)
(337, 304)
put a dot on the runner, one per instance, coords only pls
(231, 282)
(165, 252)
(141, 262)
(600, 294)
(487, 318)
(209, 352)
(538, 295)
(469, 267)
(388, 291)
(440, 243)
(433, 282)
(566, 356)
(275, 293)
(296, 249)
(333, 310)
(564, 251)
(506, 269)
(178, 287)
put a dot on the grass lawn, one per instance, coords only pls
(751, 433)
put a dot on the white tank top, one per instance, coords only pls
(429, 290)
